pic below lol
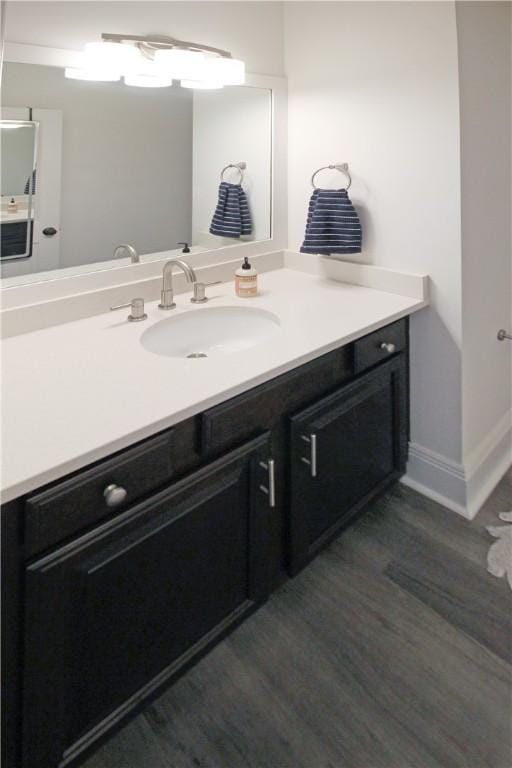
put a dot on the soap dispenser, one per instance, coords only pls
(246, 280)
(12, 207)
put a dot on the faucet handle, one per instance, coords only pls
(137, 310)
(200, 296)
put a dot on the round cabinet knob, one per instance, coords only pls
(49, 231)
(388, 347)
(114, 495)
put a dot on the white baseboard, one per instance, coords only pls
(488, 464)
(436, 477)
(462, 488)
(434, 495)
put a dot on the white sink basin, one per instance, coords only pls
(208, 332)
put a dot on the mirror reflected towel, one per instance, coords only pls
(27, 190)
(232, 217)
(333, 225)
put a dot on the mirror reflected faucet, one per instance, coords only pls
(132, 252)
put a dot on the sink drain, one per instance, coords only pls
(197, 354)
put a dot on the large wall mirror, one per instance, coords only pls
(100, 164)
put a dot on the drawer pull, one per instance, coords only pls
(271, 490)
(388, 347)
(114, 495)
(311, 462)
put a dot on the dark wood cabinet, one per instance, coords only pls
(71, 505)
(344, 449)
(104, 606)
(116, 613)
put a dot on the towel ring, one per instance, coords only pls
(240, 168)
(343, 167)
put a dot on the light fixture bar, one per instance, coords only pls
(161, 42)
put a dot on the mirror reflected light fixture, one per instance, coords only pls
(155, 61)
(202, 85)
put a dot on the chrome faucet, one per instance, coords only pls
(134, 256)
(166, 295)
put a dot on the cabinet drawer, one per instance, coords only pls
(261, 408)
(370, 350)
(74, 504)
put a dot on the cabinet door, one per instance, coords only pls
(344, 449)
(120, 611)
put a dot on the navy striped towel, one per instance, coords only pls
(232, 217)
(333, 225)
(26, 191)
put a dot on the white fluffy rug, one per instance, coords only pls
(499, 559)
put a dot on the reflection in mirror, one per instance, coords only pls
(18, 143)
(119, 164)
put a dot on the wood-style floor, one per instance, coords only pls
(391, 650)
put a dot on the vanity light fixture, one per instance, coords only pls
(147, 81)
(227, 71)
(156, 60)
(180, 64)
(114, 56)
(84, 73)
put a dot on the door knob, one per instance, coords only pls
(388, 346)
(114, 495)
(502, 335)
(49, 231)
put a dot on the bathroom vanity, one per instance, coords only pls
(120, 574)
(161, 478)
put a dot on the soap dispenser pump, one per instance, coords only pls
(246, 280)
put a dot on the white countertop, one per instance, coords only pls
(75, 393)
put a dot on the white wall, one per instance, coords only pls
(485, 101)
(126, 161)
(230, 126)
(376, 85)
(252, 31)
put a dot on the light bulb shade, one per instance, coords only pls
(227, 71)
(148, 68)
(203, 85)
(113, 56)
(102, 75)
(147, 81)
(180, 64)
